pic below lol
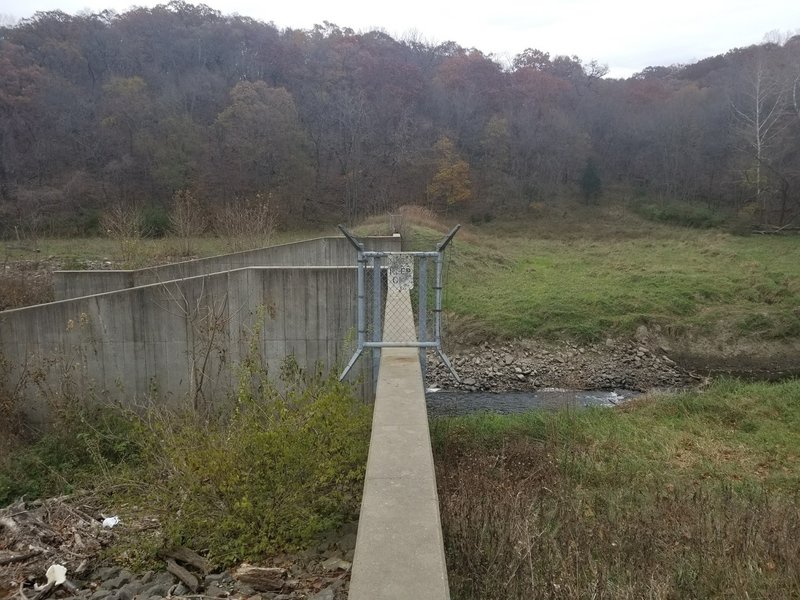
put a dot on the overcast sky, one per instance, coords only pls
(627, 35)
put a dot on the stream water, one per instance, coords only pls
(447, 404)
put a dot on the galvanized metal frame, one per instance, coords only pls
(377, 342)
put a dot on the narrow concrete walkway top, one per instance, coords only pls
(399, 550)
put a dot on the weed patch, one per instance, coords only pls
(86, 447)
(23, 287)
(286, 466)
(280, 466)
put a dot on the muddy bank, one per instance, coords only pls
(763, 361)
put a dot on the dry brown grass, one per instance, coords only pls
(412, 214)
(410, 220)
(402, 221)
(20, 286)
(517, 526)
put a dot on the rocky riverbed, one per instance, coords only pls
(531, 365)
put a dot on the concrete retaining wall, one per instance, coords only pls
(179, 339)
(323, 252)
(399, 549)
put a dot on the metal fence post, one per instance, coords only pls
(361, 307)
(422, 306)
(377, 320)
(437, 307)
(362, 304)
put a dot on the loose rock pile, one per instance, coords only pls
(529, 365)
(61, 531)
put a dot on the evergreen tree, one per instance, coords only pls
(591, 185)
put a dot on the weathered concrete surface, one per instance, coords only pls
(322, 252)
(179, 341)
(399, 552)
(177, 331)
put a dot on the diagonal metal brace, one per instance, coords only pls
(352, 239)
(447, 364)
(449, 238)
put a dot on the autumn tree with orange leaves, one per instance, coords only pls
(451, 183)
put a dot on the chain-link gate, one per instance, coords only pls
(382, 277)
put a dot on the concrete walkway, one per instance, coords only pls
(399, 551)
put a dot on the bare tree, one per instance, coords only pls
(246, 224)
(187, 219)
(207, 321)
(759, 115)
(124, 224)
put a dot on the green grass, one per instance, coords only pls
(747, 430)
(85, 447)
(680, 213)
(693, 495)
(608, 275)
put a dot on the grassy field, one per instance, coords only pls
(565, 271)
(26, 265)
(687, 496)
(77, 253)
(609, 280)
(690, 496)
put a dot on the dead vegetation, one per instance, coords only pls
(247, 223)
(517, 527)
(23, 283)
(65, 530)
(692, 495)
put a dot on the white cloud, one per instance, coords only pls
(628, 35)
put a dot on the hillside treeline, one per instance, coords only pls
(106, 109)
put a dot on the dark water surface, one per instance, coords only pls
(448, 404)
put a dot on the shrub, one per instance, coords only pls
(187, 219)
(286, 466)
(125, 225)
(245, 224)
(155, 222)
(590, 182)
(680, 213)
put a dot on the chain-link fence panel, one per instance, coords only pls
(387, 282)
(403, 273)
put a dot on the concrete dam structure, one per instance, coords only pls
(176, 332)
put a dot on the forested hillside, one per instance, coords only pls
(329, 124)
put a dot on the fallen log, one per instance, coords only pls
(189, 580)
(189, 557)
